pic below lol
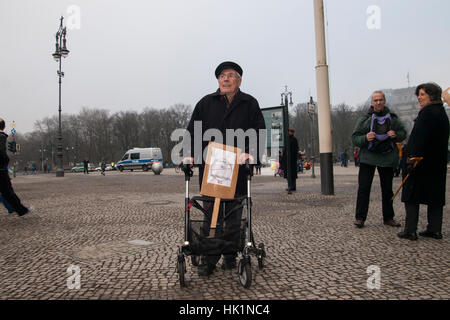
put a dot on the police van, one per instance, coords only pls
(140, 158)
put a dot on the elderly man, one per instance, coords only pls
(376, 134)
(6, 188)
(227, 108)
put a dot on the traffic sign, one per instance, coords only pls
(13, 131)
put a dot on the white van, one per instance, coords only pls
(140, 158)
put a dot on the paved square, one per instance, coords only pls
(123, 231)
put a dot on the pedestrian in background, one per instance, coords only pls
(258, 168)
(375, 134)
(86, 167)
(6, 188)
(426, 183)
(344, 158)
(300, 161)
(292, 144)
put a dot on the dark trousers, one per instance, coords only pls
(365, 178)
(292, 182)
(6, 204)
(8, 193)
(434, 217)
(229, 225)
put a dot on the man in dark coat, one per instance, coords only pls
(227, 108)
(6, 188)
(293, 153)
(86, 166)
(426, 183)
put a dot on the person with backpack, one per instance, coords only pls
(103, 167)
(376, 134)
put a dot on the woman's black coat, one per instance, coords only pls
(428, 139)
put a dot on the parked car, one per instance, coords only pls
(107, 168)
(80, 167)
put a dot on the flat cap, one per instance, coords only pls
(228, 65)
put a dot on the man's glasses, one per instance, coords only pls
(229, 75)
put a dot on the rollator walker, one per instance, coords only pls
(201, 240)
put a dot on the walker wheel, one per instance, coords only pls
(181, 269)
(245, 273)
(261, 256)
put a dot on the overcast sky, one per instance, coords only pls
(129, 55)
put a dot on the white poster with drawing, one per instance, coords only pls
(221, 167)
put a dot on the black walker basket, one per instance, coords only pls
(198, 241)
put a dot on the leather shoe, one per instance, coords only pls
(29, 209)
(429, 234)
(405, 235)
(392, 223)
(359, 223)
(206, 269)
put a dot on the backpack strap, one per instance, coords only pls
(382, 120)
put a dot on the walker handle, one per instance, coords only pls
(188, 173)
(248, 169)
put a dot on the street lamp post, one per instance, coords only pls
(287, 149)
(67, 156)
(311, 112)
(60, 52)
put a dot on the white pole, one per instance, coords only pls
(323, 102)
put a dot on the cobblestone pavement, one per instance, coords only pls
(313, 249)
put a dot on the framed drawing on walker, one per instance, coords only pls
(221, 171)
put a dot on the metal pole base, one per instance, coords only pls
(326, 173)
(60, 172)
(313, 174)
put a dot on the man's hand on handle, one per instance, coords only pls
(189, 161)
(244, 157)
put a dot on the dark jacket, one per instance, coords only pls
(4, 159)
(214, 112)
(362, 127)
(429, 139)
(293, 144)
